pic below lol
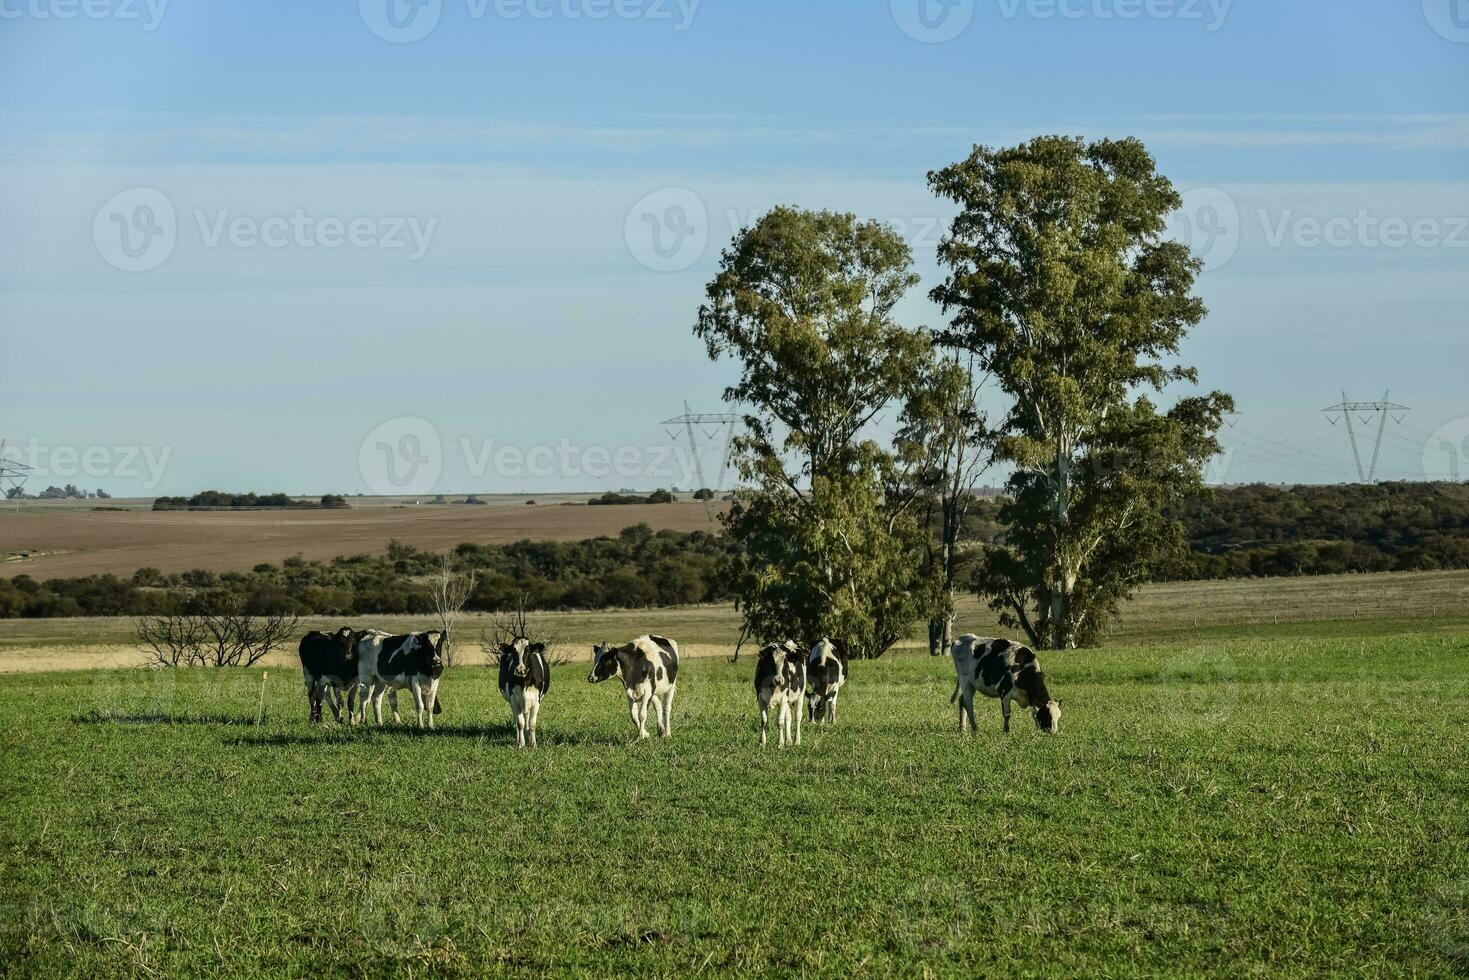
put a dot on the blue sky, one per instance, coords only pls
(432, 264)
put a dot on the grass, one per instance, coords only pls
(1241, 807)
(1325, 606)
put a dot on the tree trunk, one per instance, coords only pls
(1061, 586)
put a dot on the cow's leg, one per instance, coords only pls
(531, 706)
(517, 705)
(377, 705)
(416, 689)
(784, 721)
(431, 701)
(663, 705)
(1005, 708)
(764, 719)
(968, 706)
(796, 710)
(393, 703)
(535, 717)
(632, 709)
(334, 702)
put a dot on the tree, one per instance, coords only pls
(945, 446)
(450, 590)
(803, 303)
(1062, 285)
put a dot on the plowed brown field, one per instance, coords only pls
(68, 541)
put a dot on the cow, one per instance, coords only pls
(780, 677)
(525, 677)
(387, 663)
(329, 665)
(648, 668)
(1006, 670)
(826, 672)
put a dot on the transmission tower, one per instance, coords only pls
(710, 424)
(1364, 412)
(13, 474)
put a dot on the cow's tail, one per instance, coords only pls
(438, 707)
(955, 696)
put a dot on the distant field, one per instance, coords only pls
(1348, 606)
(68, 539)
(1279, 807)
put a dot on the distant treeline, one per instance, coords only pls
(1261, 531)
(216, 499)
(1252, 531)
(637, 569)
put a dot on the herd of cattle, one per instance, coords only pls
(350, 668)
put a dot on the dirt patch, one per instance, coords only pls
(70, 542)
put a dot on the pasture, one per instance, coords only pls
(1242, 806)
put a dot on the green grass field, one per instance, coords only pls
(1248, 806)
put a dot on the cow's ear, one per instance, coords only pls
(538, 648)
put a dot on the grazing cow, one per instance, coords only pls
(648, 668)
(827, 672)
(1006, 670)
(780, 676)
(386, 664)
(329, 664)
(525, 677)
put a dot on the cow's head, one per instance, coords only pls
(435, 641)
(346, 638)
(604, 663)
(1048, 717)
(775, 653)
(517, 654)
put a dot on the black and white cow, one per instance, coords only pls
(780, 678)
(525, 677)
(387, 664)
(648, 668)
(826, 672)
(1006, 670)
(329, 665)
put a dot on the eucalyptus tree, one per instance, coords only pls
(1061, 282)
(803, 304)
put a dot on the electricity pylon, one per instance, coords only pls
(1364, 411)
(704, 420)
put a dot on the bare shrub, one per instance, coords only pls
(216, 635)
(517, 622)
(450, 589)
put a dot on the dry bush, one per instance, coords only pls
(517, 622)
(215, 638)
(450, 590)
